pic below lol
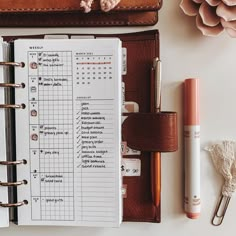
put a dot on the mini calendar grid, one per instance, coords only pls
(93, 67)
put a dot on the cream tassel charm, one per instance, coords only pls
(106, 5)
(224, 159)
(86, 4)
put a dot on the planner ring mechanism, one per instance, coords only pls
(10, 163)
(12, 63)
(18, 162)
(17, 204)
(12, 85)
(13, 184)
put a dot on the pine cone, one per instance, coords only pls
(212, 16)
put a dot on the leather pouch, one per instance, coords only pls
(51, 13)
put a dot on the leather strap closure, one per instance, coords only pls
(156, 132)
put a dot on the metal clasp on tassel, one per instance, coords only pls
(220, 210)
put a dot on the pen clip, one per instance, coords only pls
(157, 68)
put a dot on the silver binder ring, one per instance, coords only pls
(14, 106)
(12, 85)
(13, 184)
(17, 204)
(10, 163)
(12, 63)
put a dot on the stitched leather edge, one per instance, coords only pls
(94, 23)
(144, 7)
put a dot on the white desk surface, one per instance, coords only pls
(185, 53)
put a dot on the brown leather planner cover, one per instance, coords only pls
(61, 13)
(144, 131)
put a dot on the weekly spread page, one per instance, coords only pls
(68, 129)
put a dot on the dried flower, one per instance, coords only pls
(212, 16)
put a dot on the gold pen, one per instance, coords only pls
(156, 156)
(157, 68)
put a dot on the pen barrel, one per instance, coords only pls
(192, 201)
(156, 178)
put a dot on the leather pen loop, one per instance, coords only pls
(220, 210)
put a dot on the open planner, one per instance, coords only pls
(60, 125)
(69, 108)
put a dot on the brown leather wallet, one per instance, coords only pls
(61, 13)
(144, 131)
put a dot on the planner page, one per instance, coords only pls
(69, 131)
(4, 212)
